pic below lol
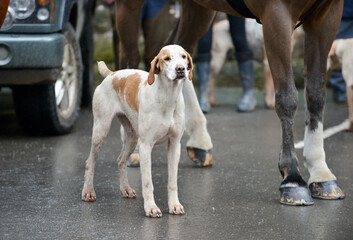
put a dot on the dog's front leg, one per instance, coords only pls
(173, 160)
(150, 206)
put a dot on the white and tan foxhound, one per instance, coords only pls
(150, 106)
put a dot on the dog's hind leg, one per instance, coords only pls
(130, 141)
(349, 89)
(100, 131)
(134, 159)
(268, 85)
(221, 44)
(322, 182)
(102, 121)
(347, 72)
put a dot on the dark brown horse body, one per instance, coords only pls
(320, 20)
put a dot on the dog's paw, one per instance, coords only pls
(176, 209)
(128, 192)
(88, 195)
(154, 212)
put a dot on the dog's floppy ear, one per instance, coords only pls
(190, 65)
(154, 70)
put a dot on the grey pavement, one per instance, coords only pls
(41, 179)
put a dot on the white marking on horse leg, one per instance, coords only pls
(328, 132)
(314, 155)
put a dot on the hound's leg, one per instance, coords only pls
(268, 85)
(130, 141)
(150, 206)
(219, 55)
(294, 190)
(322, 182)
(347, 73)
(173, 160)
(102, 121)
(349, 89)
(185, 34)
(127, 20)
(134, 159)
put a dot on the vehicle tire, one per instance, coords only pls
(87, 52)
(53, 109)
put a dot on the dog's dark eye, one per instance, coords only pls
(184, 56)
(167, 59)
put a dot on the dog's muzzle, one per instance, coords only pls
(180, 71)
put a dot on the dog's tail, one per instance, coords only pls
(103, 69)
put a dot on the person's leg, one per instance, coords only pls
(338, 89)
(244, 57)
(203, 59)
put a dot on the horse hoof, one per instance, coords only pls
(296, 196)
(203, 158)
(326, 190)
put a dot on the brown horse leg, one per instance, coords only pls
(155, 33)
(294, 190)
(322, 182)
(186, 34)
(127, 16)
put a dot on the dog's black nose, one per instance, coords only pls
(180, 68)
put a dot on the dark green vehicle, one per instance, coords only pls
(46, 57)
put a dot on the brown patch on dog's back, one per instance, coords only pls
(132, 90)
(127, 89)
(119, 86)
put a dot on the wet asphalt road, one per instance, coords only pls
(41, 181)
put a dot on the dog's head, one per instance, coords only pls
(173, 62)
